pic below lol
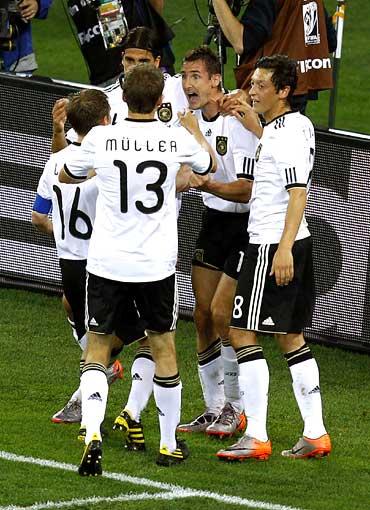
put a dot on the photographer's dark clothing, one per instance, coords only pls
(141, 13)
(301, 30)
(105, 64)
(102, 64)
(23, 42)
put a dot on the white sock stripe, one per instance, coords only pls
(257, 290)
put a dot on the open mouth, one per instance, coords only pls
(192, 96)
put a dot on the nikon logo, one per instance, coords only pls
(316, 63)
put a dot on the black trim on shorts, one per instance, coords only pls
(261, 305)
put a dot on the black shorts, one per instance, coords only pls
(74, 288)
(148, 305)
(222, 241)
(261, 305)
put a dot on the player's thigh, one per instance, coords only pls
(204, 282)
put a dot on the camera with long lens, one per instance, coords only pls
(112, 22)
(10, 19)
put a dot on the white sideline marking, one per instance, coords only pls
(95, 500)
(175, 491)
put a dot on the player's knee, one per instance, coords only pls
(220, 318)
(202, 315)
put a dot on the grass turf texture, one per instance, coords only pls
(39, 367)
(59, 56)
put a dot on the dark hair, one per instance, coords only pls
(284, 71)
(142, 38)
(87, 109)
(142, 87)
(206, 55)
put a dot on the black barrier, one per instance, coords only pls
(338, 214)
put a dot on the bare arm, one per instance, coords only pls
(248, 117)
(59, 114)
(182, 178)
(235, 191)
(158, 5)
(190, 122)
(42, 223)
(230, 25)
(283, 264)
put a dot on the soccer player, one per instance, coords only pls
(73, 214)
(221, 244)
(140, 47)
(275, 291)
(133, 251)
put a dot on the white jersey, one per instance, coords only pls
(284, 160)
(73, 207)
(135, 231)
(174, 101)
(235, 148)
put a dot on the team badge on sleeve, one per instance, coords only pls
(221, 145)
(165, 112)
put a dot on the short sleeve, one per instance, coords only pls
(71, 136)
(295, 159)
(192, 153)
(43, 200)
(243, 145)
(44, 187)
(79, 162)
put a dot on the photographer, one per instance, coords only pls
(22, 58)
(103, 58)
(301, 30)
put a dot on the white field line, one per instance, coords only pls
(98, 500)
(174, 491)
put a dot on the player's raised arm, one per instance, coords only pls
(59, 115)
(94, 104)
(190, 123)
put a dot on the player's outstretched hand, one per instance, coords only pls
(229, 102)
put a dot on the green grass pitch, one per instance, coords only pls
(39, 367)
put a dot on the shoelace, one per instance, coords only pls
(227, 416)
